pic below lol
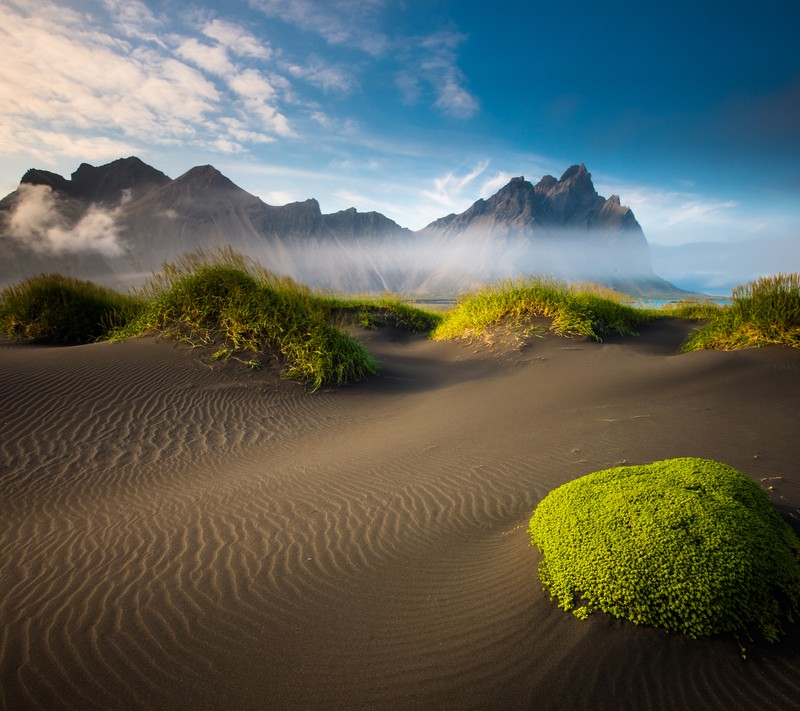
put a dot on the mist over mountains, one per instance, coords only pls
(119, 222)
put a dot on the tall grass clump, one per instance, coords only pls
(577, 310)
(226, 302)
(689, 545)
(762, 312)
(53, 308)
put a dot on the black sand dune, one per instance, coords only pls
(175, 535)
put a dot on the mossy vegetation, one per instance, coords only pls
(688, 545)
(58, 309)
(582, 309)
(763, 312)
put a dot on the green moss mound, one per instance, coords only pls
(689, 545)
(53, 308)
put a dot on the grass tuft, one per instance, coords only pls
(227, 302)
(576, 310)
(689, 545)
(52, 308)
(762, 312)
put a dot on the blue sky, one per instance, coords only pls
(690, 111)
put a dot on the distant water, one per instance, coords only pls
(445, 304)
(658, 303)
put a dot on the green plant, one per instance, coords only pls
(694, 310)
(225, 301)
(372, 312)
(689, 545)
(581, 309)
(53, 308)
(762, 312)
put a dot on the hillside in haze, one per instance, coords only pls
(119, 222)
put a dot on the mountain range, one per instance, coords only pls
(117, 223)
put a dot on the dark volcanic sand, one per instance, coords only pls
(180, 536)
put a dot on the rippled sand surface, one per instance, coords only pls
(175, 535)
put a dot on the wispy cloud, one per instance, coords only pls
(448, 190)
(134, 19)
(354, 23)
(328, 77)
(680, 216)
(66, 75)
(427, 64)
(438, 66)
(208, 57)
(237, 39)
(431, 66)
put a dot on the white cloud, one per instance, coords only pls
(326, 77)
(237, 39)
(447, 190)
(37, 223)
(340, 22)
(242, 132)
(433, 60)
(134, 19)
(252, 83)
(47, 145)
(679, 216)
(68, 77)
(454, 99)
(211, 58)
(65, 75)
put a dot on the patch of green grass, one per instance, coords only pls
(578, 310)
(52, 308)
(386, 310)
(762, 312)
(229, 303)
(689, 545)
(693, 310)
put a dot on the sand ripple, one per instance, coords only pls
(177, 536)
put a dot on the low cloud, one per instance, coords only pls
(37, 223)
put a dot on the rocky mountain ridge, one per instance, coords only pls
(119, 222)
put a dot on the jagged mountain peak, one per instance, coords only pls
(575, 178)
(36, 176)
(576, 172)
(206, 177)
(108, 183)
